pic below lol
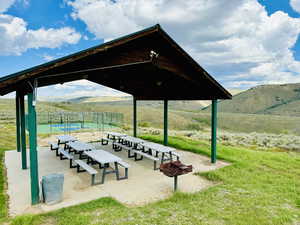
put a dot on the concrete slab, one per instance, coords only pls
(143, 186)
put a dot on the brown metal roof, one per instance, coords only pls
(125, 64)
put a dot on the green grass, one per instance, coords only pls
(3, 197)
(247, 123)
(258, 188)
(7, 136)
(7, 142)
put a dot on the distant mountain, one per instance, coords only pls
(114, 100)
(265, 99)
(88, 99)
(127, 100)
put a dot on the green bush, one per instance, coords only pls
(144, 124)
(126, 127)
(193, 126)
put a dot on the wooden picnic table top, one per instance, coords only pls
(66, 138)
(80, 146)
(158, 147)
(102, 156)
(116, 134)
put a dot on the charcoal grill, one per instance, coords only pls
(175, 169)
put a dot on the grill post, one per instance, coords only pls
(175, 169)
(175, 183)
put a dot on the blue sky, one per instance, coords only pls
(242, 43)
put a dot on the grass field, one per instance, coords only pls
(258, 188)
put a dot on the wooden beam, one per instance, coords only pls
(98, 69)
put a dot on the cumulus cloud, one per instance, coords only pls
(295, 4)
(219, 34)
(16, 38)
(81, 88)
(86, 84)
(48, 57)
(5, 4)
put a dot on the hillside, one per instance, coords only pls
(265, 99)
(127, 100)
(88, 99)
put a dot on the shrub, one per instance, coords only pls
(193, 126)
(144, 124)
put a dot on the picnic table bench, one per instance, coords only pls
(87, 168)
(54, 147)
(66, 155)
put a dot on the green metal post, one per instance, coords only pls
(166, 122)
(33, 151)
(23, 132)
(214, 131)
(18, 122)
(134, 118)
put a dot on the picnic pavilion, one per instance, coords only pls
(147, 64)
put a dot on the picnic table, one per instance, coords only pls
(114, 135)
(63, 139)
(132, 141)
(158, 148)
(104, 158)
(79, 147)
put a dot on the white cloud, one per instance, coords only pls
(79, 88)
(83, 83)
(48, 57)
(5, 4)
(217, 33)
(295, 4)
(63, 86)
(86, 84)
(105, 91)
(16, 38)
